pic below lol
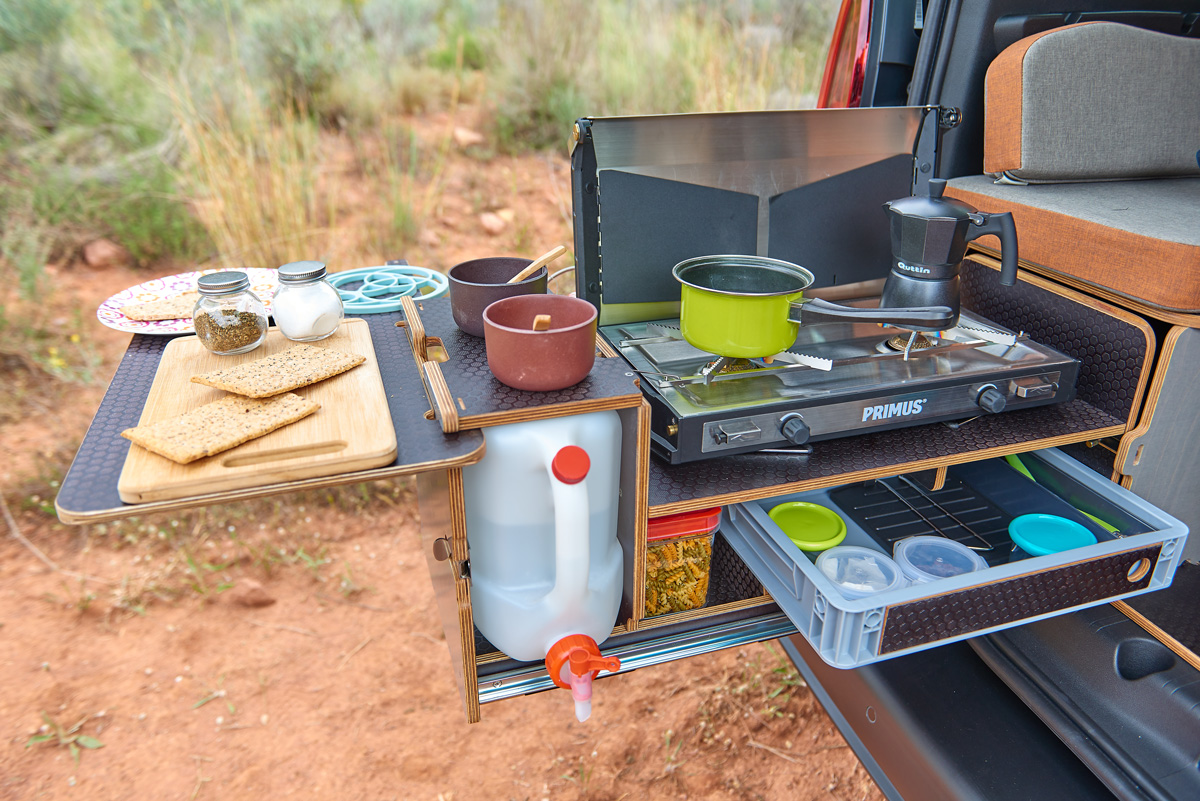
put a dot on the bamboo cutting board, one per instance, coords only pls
(351, 431)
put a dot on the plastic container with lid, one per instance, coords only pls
(810, 526)
(678, 560)
(228, 317)
(858, 572)
(929, 558)
(306, 307)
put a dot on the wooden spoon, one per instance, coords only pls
(538, 263)
(541, 322)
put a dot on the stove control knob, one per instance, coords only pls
(991, 399)
(794, 429)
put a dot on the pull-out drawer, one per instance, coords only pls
(1137, 550)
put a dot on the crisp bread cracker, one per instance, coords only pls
(298, 366)
(219, 426)
(176, 308)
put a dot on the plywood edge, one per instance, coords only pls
(613, 402)
(638, 581)
(460, 553)
(1131, 438)
(705, 611)
(435, 383)
(414, 328)
(838, 479)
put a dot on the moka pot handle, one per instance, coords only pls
(1001, 225)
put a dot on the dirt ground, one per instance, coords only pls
(292, 648)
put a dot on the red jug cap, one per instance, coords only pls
(571, 464)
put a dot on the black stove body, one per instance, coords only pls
(839, 379)
(808, 187)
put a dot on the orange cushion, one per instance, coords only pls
(1160, 269)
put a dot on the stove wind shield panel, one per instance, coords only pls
(802, 186)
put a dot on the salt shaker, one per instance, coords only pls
(228, 317)
(306, 307)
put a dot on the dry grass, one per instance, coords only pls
(256, 178)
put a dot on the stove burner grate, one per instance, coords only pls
(900, 342)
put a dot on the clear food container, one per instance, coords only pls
(858, 572)
(930, 558)
(678, 560)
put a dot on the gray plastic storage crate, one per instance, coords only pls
(848, 632)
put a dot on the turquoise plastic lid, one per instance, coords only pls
(1038, 535)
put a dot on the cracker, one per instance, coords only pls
(219, 426)
(176, 308)
(298, 366)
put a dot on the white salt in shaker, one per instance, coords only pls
(306, 307)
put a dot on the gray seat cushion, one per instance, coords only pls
(1094, 101)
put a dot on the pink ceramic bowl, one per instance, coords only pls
(556, 358)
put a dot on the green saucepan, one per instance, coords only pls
(747, 307)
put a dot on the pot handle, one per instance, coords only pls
(807, 311)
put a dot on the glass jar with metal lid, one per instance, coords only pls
(306, 307)
(228, 317)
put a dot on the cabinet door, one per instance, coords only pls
(1158, 459)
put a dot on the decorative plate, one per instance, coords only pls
(262, 283)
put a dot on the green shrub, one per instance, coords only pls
(32, 24)
(404, 29)
(297, 48)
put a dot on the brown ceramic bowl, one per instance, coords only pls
(476, 284)
(556, 358)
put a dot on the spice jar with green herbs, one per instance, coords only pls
(228, 317)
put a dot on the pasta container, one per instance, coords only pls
(678, 561)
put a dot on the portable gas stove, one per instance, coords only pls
(839, 379)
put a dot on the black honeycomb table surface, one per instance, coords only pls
(481, 395)
(91, 483)
(751, 473)
(1111, 350)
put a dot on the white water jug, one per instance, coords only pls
(546, 564)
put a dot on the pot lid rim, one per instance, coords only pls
(804, 275)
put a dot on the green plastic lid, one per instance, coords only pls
(810, 526)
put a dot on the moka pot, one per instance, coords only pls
(929, 239)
